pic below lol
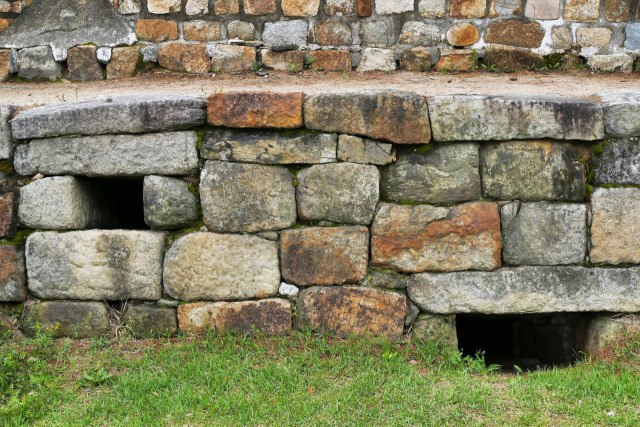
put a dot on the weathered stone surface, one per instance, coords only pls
(226, 7)
(5, 65)
(593, 36)
(73, 319)
(340, 7)
(374, 33)
(618, 163)
(147, 321)
(6, 141)
(256, 109)
(244, 197)
(387, 7)
(7, 215)
(632, 35)
(463, 34)
(4, 24)
(416, 59)
(288, 60)
(374, 59)
(527, 290)
(412, 314)
(444, 174)
(190, 58)
(123, 63)
(168, 203)
(95, 265)
(543, 233)
(432, 8)
(582, 10)
(331, 60)
(37, 63)
(533, 171)
(201, 31)
(324, 255)
(59, 202)
(265, 317)
(241, 30)
(438, 329)
(602, 332)
(156, 30)
(13, 276)
(285, 33)
(169, 153)
(210, 266)
(269, 147)
(351, 311)
(417, 33)
(388, 279)
(116, 114)
(300, 7)
(515, 33)
(367, 151)
(63, 24)
(366, 113)
(259, 7)
(615, 236)
(83, 65)
(480, 118)
(614, 63)
(461, 9)
(562, 38)
(345, 193)
(617, 10)
(542, 9)
(196, 7)
(229, 58)
(456, 60)
(415, 238)
(510, 59)
(621, 113)
(160, 7)
(365, 7)
(332, 33)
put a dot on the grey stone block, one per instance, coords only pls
(146, 320)
(618, 163)
(527, 290)
(66, 319)
(6, 140)
(285, 33)
(632, 36)
(621, 113)
(168, 203)
(38, 63)
(438, 329)
(543, 233)
(107, 265)
(440, 174)
(115, 114)
(170, 153)
(366, 151)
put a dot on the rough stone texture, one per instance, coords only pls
(128, 7)
(197, 7)
(256, 109)
(106, 115)
(582, 10)
(202, 31)
(632, 35)
(351, 311)
(443, 174)
(593, 36)
(333, 33)
(619, 163)
(95, 265)
(160, 7)
(340, 7)
(527, 290)
(266, 317)
(510, 59)
(388, 280)
(7, 215)
(168, 203)
(259, 7)
(6, 141)
(156, 30)
(463, 34)
(63, 24)
(244, 197)
(533, 171)
(59, 202)
(365, 7)
(123, 63)
(285, 33)
(226, 7)
(289, 60)
(366, 113)
(146, 321)
(367, 151)
(416, 59)
(269, 147)
(37, 63)
(374, 33)
(456, 60)
(515, 33)
(617, 63)
(615, 235)
(345, 193)
(331, 60)
(562, 38)
(324, 255)
(617, 10)
(5, 65)
(602, 332)
(229, 58)
(241, 30)
(4, 24)
(387, 7)
(621, 113)
(543, 233)
(13, 276)
(374, 59)
(415, 238)
(83, 65)
(190, 58)
(170, 153)
(210, 266)
(438, 329)
(300, 7)
(288, 290)
(461, 9)
(66, 319)
(417, 33)
(542, 9)
(432, 8)
(479, 118)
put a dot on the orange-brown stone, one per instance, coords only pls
(256, 109)
(201, 31)
(190, 58)
(365, 8)
(259, 7)
(463, 34)
(456, 60)
(7, 215)
(13, 277)
(83, 65)
(333, 33)
(617, 10)
(461, 9)
(417, 238)
(515, 33)
(331, 60)
(4, 23)
(124, 61)
(156, 30)
(4, 65)
(226, 7)
(511, 59)
(416, 59)
(300, 7)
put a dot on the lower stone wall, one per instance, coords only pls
(349, 213)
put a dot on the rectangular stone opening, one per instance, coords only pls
(531, 341)
(122, 202)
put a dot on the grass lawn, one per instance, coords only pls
(303, 379)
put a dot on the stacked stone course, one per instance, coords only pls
(350, 213)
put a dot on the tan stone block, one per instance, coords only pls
(463, 34)
(515, 33)
(542, 9)
(156, 30)
(288, 60)
(300, 7)
(416, 59)
(159, 7)
(226, 7)
(593, 36)
(461, 9)
(340, 7)
(190, 58)
(582, 10)
(259, 7)
(4, 65)
(456, 60)
(333, 33)
(201, 31)
(331, 60)
(256, 109)
(124, 61)
(230, 58)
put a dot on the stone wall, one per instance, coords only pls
(343, 212)
(202, 36)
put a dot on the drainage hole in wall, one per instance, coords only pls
(121, 200)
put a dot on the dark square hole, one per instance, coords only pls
(121, 201)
